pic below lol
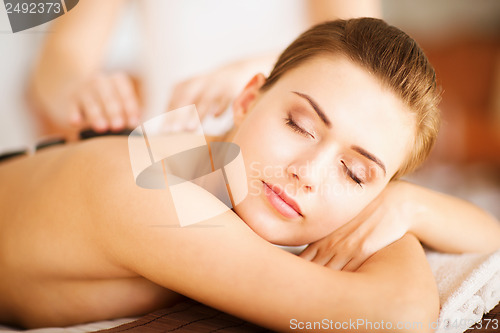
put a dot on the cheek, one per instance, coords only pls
(262, 141)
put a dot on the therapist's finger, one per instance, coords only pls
(92, 111)
(208, 104)
(223, 104)
(111, 103)
(217, 105)
(125, 89)
(74, 115)
(184, 93)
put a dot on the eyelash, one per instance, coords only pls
(293, 125)
(352, 175)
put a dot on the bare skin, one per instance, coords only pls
(48, 256)
(77, 245)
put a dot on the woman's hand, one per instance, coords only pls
(105, 102)
(385, 220)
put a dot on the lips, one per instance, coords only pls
(280, 201)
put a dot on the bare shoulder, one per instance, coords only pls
(104, 172)
(108, 182)
(123, 213)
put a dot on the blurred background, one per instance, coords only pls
(460, 37)
(462, 40)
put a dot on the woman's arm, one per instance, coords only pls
(222, 263)
(438, 220)
(447, 223)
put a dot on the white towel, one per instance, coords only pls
(469, 287)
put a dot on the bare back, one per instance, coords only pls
(50, 263)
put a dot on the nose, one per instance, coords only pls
(311, 169)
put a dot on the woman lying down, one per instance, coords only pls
(356, 97)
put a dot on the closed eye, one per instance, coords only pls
(295, 127)
(352, 175)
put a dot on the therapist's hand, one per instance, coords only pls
(213, 92)
(386, 219)
(104, 102)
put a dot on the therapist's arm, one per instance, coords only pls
(213, 91)
(323, 10)
(223, 263)
(68, 88)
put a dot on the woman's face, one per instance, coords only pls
(318, 146)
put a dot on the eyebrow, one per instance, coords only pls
(316, 108)
(328, 123)
(369, 156)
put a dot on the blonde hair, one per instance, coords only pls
(389, 54)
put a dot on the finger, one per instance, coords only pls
(92, 111)
(189, 121)
(354, 264)
(179, 123)
(338, 262)
(130, 100)
(176, 122)
(184, 122)
(222, 106)
(322, 258)
(184, 93)
(74, 115)
(175, 99)
(215, 105)
(212, 102)
(309, 253)
(112, 105)
(361, 255)
(203, 105)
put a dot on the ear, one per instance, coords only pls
(243, 103)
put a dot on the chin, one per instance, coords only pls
(276, 232)
(271, 236)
